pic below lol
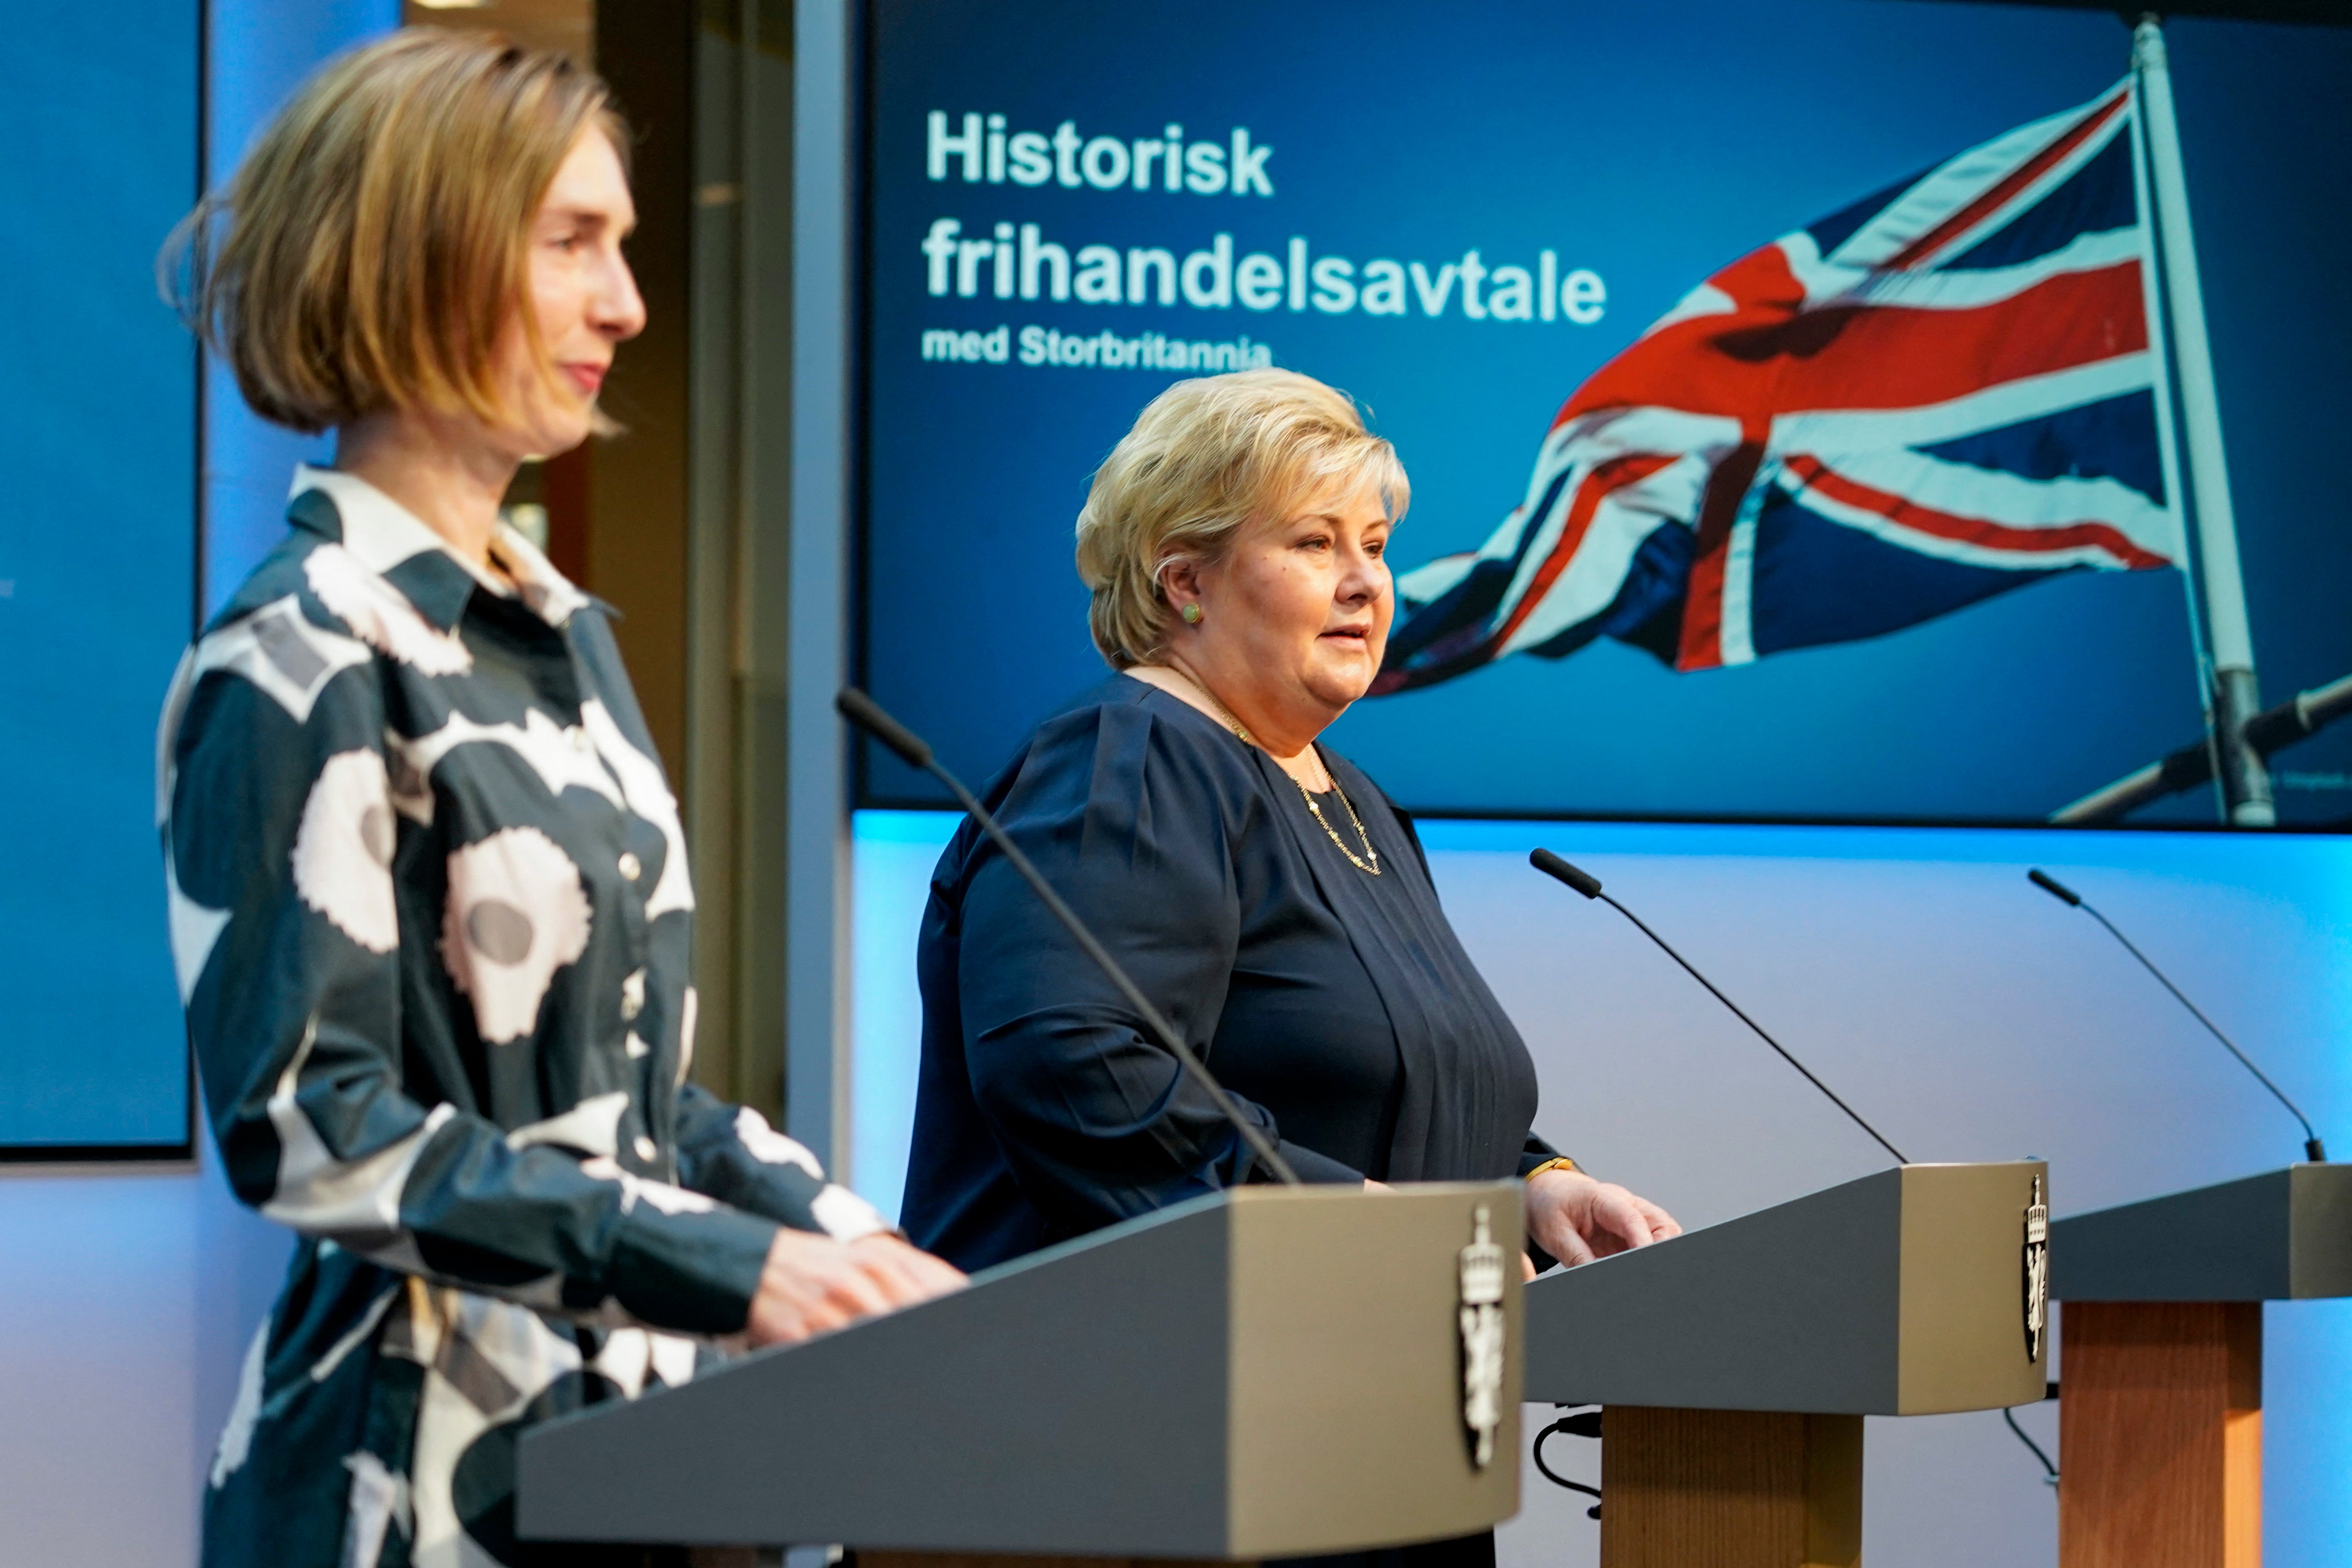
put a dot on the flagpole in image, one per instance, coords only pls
(2232, 694)
(1643, 521)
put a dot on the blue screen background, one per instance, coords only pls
(1653, 146)
(98, 541)
(100, 580)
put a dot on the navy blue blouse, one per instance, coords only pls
(1337, 1008)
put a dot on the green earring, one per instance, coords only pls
(1192, 613)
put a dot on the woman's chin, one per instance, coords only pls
(554, 438)
(1337, 681)
(551, 423)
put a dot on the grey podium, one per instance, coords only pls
(2161, 1426)
(1261, 1372)
(1736, 1362)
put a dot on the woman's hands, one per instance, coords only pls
(811, 1283)
(1577, 1219)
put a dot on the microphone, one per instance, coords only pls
(1585, 882)
(2311, 1147)
(868, 715)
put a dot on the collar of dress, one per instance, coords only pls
(392, 542)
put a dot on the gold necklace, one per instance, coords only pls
(1373, 855)
(1370, 855)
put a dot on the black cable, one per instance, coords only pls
(1584, 1424)
(2009, 1414)
(2049, 1392)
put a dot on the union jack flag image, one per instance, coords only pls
(1941, 394)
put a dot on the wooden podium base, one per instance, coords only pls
(2160, 1435)
(1729, 1489)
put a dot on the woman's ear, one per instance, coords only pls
(1179, 584)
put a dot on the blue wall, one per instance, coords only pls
(125, 1306)
(129, 1294)
(97, 566)
(262, 49)
(99, 569)
(1966, 1013)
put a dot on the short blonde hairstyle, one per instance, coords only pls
(372, 251)
(1207, 458)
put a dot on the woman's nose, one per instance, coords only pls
(618, 310)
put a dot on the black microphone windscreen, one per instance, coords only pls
(866, 714)
(2052, 886)
(1551, 864)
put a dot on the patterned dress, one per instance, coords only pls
(432, 920)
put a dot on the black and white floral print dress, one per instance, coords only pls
(432, 920)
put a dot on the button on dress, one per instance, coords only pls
(433, 924)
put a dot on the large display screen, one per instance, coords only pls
(1787, 432)
(98, 541)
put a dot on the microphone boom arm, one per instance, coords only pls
(2312, 1146)
(868, 715)
(1584, 882)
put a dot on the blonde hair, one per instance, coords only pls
(370, 251)
(1205, 459)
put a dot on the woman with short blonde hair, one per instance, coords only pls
(1262, 892)
(428, 884)
(1205, 459)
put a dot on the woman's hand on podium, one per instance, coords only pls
(1577, 1219)
(811, 1283)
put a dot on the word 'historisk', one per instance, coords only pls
(1004, 261)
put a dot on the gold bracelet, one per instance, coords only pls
(1558, 1162)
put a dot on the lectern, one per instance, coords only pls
(1260, 1373)
(1736, 1362)
(2160, 1426)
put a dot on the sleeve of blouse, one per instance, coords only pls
(730, 1153)
(280, 826)
(1535, 1155)
(1098, 1122)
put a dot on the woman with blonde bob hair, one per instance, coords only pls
(428, 892)
(1262, 891)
